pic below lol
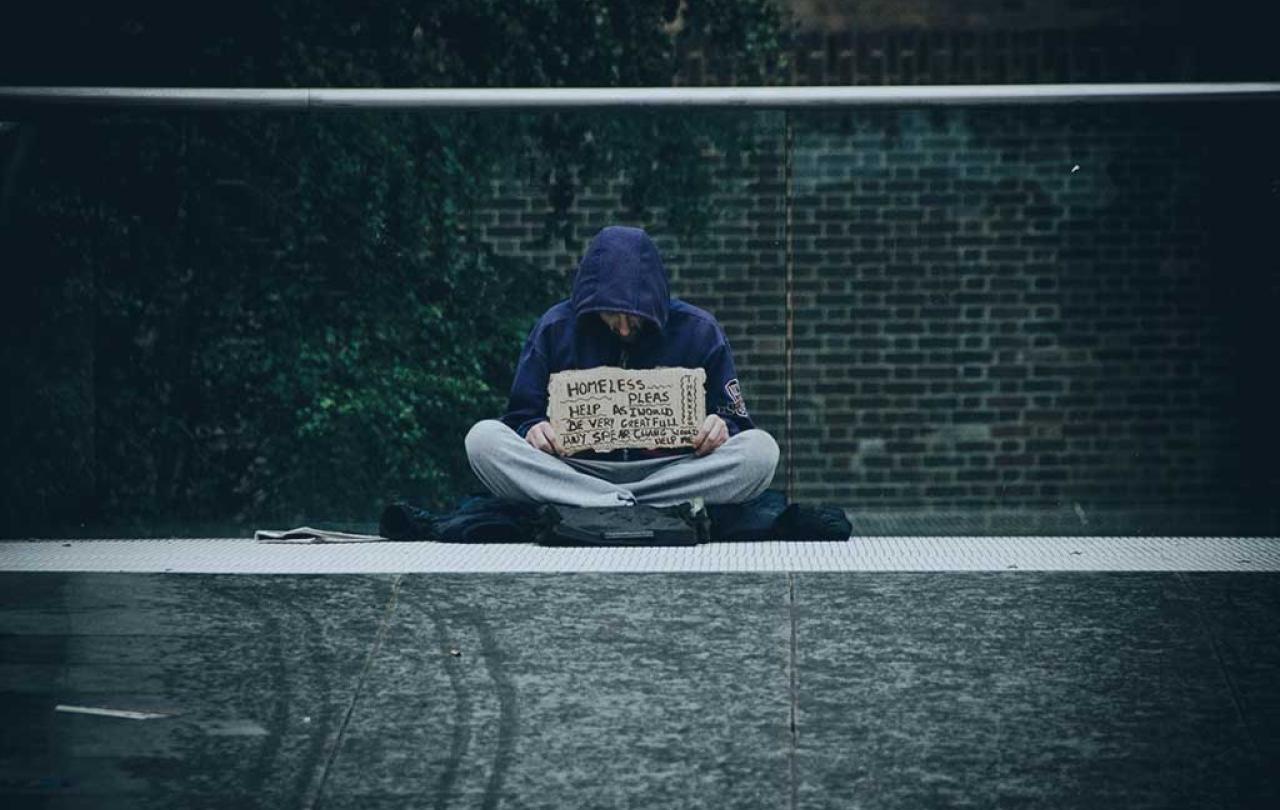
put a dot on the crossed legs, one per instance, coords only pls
(509, 467)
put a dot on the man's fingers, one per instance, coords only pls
(543, 437)
(716, 437)
(538, 439)
(704, 431)
(708, 443)
(555, 440)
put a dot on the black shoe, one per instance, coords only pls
(401, 521)
(817, 523)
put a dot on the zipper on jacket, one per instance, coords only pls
(622, 360)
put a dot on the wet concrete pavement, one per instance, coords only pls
(873, 690)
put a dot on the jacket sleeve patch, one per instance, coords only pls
(736, 405)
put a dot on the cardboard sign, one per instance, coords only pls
(608, 408)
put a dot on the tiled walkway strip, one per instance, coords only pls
(244, 556)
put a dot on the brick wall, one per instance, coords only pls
(991, 306)
(983, 15)
(997, 306)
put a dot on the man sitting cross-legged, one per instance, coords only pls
(621, 314)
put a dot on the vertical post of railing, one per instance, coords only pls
(788, 203)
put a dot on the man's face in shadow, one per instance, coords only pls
(627, 327)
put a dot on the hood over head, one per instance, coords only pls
(622, 272)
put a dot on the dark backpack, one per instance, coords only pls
(640, 525)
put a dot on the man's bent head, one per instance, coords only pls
(626, 326)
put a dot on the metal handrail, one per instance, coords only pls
(616, 97)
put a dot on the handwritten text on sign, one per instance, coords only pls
(607, 408)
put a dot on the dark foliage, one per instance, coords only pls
(217, 317)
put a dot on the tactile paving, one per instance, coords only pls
(885, 553)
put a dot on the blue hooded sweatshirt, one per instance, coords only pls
(622, 272)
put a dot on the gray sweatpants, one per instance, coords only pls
(510, 467)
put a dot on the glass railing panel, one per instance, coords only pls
(224, 320)
(1055, 312)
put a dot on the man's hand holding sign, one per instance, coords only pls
(543, 437)
(713, 433)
